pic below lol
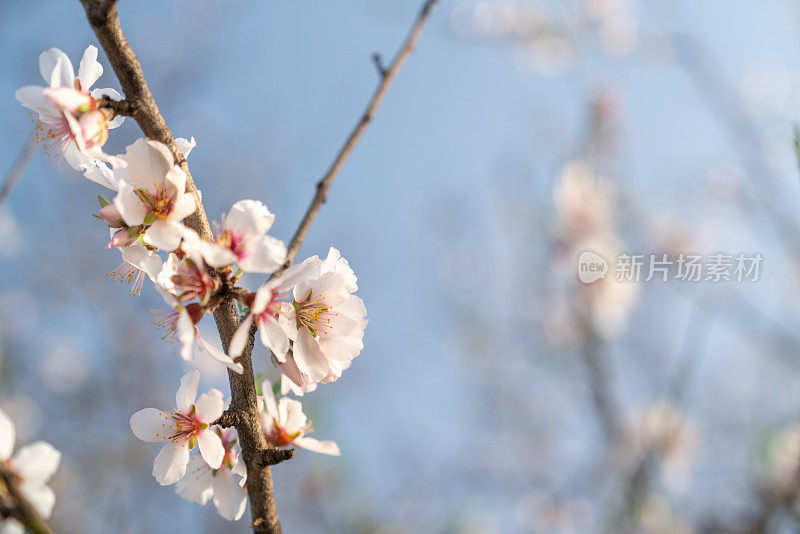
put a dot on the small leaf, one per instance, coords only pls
(103, 201)
(150, 218)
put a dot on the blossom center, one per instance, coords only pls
(159, 204)
(314, 314)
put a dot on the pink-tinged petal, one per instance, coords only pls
(211, 448)
(289, 370)
(195, 486)
(7, 436)
(335, 263)
(163, 235)
(322, 447)
(129, 205)
(209, 407)
(287, 386)
(240, 337)
(41, 497)
(229, 497)
(207, 348)
(148, 164)
(32, 97)
(353, 307)
(249, 218)
(151, 425)
(187, 392)
(56, 68)
(120, 238)
(274, 338)
(36, 462)
(184, 206)
(270, 407)
(264, 255)
(170, 463)
(263, 297)
(309, 358)
(67, 99)
(89, 69)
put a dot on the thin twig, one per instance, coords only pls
(19, 167)
(386, 80)
(19, 508)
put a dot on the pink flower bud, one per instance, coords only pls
(121, 238)
(112, 216)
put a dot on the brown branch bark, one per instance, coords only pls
(144, 111)
(14, 504)
(141, 105)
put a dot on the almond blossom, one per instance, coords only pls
(187, 425)
(310, 320)
(325, 322)
(70, 122)
(224, 485)
(284, 423)
(34, 464)
(179, 323)
(242, 239)
(152, 192)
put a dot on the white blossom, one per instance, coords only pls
(70, 123)
(187, 425)
(284, 423)
(34, 464)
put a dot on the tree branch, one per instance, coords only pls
(141, 105)
(19, 508)
(243, 393)
(387, 76)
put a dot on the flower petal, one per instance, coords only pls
(209, 349)
(209, 407)
(7, 436)
(151, 425)
(187, 392)
(163, 235)
(170, 463)
(195, 486)
(89, 69)
(36, 462)
(56, 68)
(211, 448)
(41, 497)
(229, 497)
(322, 447)
(309, 358)
(133, 211)
(264, 255)
(240, 337)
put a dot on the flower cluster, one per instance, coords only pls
(32, 466)
(307, 315)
